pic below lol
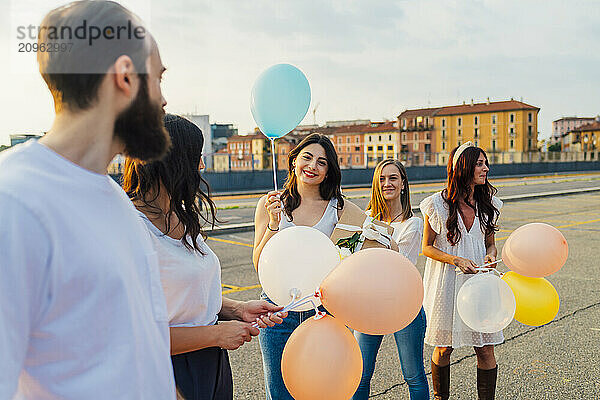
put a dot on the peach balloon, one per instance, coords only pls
(375, 291)
(321, 360)
(535, 250)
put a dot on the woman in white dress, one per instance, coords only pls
(390, 203)
(459, 233)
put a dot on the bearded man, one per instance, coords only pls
(82, 312)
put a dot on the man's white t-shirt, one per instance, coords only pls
(82, 312)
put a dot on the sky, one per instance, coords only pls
(364, 59)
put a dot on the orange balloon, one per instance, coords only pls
(321, 360)
(375, 291)
(535, 250)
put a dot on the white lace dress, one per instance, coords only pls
(445, 328)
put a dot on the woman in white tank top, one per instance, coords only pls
(168, 195)
(311, 197)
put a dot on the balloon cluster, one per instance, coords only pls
(376, 291)
(488, 304)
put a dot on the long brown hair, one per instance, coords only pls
(178, 171)
(329, 188)
(377, 204)
(458, 187)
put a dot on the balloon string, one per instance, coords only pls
(295, 304)
(273, 157)
(483, 268)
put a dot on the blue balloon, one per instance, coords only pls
(280, 100)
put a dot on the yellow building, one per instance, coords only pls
(506, 130)
(221, 161)
(381, 141)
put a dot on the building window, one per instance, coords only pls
(530, 117)
(416, 136)
(494, 145)
(512, 131)
(403, 123)
(357, 159)
(512, 118)
(348, 139)
(443, 122)
(529, 143)
(379, 148)
(357, 148)
(370, 148)
(477, 143)
(415, 146)
(404, 137)
(529, 130)
(369, 138)
(443, 145)
(458, 143)
(379, 138)
(389, 137)
(459, 121)
(459, 132)
(512, 144)
(341, 160)
(357, 139)
(494, 130)
(391, 148)
(428, 136)
(494, 119)
(476, 120)
(476, 132)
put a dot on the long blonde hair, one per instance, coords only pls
(377, 205)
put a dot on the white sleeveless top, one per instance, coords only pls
(326, 224)
(191, 281)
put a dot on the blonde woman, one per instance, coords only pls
(390, 203)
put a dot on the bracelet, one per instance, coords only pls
(272, 230)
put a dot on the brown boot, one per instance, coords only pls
(486, 383)
(440, 376)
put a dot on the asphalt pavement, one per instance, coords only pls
(555, 361)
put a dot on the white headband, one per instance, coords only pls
(459, 151)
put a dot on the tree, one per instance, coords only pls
(554, 147)
(4, 147)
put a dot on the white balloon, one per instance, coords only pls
(486, 303)
(296, 260)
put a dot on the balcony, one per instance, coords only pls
(417, 128)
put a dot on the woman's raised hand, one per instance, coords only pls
(466, 266)
(273, 206)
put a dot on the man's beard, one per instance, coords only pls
(141, 127)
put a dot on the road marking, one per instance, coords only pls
(230, 242)
(233, 289)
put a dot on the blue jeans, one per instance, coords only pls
(272, 341)
(410, 351)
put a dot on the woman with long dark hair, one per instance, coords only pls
(173, 200)
(390, 203)
(311, 197)
(460, 226)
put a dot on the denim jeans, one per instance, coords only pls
(410, 350)
(272, 341)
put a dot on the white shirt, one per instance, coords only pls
(82, 313)
(191, 281)
(326, 224)
(408, 234)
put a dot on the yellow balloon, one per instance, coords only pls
(537, 300)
